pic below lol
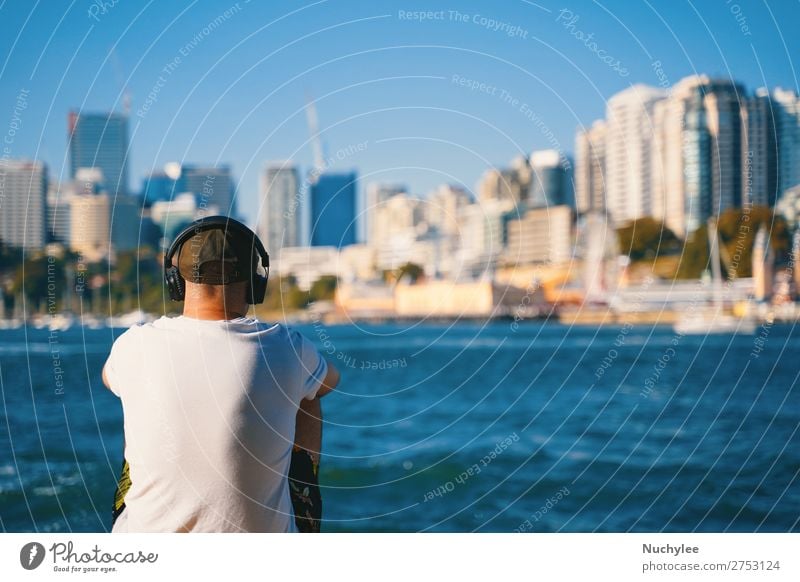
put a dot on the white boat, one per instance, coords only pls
(61, 322)
(90, 321)
(713, 320)
(13, 323)
(709, 322)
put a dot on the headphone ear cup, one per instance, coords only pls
(177, 291)
(257, 290)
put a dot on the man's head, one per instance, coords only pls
(216, 259)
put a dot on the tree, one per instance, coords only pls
(410, 270)
(737, 231)
(323, 289)
(695, 256)
(646, 239)
(40, 280)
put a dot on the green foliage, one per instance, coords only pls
(695, 257)
(410, 270)
(737, 230)
(283, 294)
(10, 258)
(647, 238)
(39, 280)
(323, 289)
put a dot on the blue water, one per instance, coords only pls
(466, 427)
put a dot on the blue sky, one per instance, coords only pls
(382, 78)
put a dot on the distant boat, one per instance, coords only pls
(13, 323)
(713, 320)
(61, 322)
(90, 321)
(708, 322)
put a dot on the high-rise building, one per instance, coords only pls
(58, 211)
(396, 230)
(590, 167)
(681, 163)
(158, 187)
(90, 227)
(377, 194)
(700, 156)
(508, 185)
(280, 212)
(443, 207)
(333, 209)
(125, 222)
(759, 151)
(723, 104)
(629, 118)
(23, 203)
(541, 235)
(786, 107)
(551, 182)
(695, 197)
(483, 234)
(100, 140)
(211, 185)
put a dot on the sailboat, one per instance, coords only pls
(713, 319)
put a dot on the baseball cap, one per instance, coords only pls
(217, 257)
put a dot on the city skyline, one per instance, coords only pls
(429, 101)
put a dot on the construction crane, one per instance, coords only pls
(316, 141)
(126, 94)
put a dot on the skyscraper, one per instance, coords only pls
(541, 235)
(507, 185)
(90, 226)
(125, 222)
(443, 207)
(23, 204)
(759, 151)
(158, 187)
(333, 209)
(681, 164)
(700, 154)
(551, 183)
(590, 167)
(695, 146)
(723, 105)
(280, 214)
(786, 105)
(629, 118)
(211, 185)
(377, 194)
(100, 140)
(58, 211)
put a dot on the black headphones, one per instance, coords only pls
(176, 283)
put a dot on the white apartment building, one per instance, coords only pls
(23, 203)
(629, 138)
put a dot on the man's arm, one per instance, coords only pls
(308, 424)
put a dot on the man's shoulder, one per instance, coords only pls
(139, 331)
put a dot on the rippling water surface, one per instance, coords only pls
(466, 427)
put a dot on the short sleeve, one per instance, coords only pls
(120, 353)
(313, 366)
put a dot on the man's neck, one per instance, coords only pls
(211, 313)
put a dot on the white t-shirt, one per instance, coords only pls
(210, 411)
